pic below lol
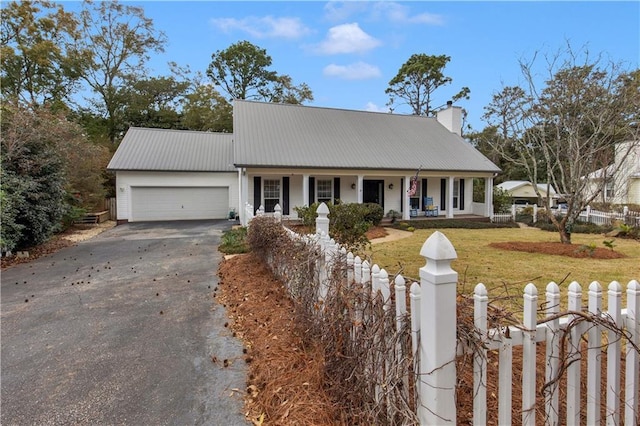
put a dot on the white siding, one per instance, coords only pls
(125, 180)
(634, 191)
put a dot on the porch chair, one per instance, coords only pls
(429, 208)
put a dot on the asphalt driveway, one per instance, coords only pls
(121, 329)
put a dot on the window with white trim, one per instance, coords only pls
(456, 192)
(324, 190)
(271, 194)
(609, 192)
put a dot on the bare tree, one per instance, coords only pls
(564, 126)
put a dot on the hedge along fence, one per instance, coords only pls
(367, 344)
(387, 367)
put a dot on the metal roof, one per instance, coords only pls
(174, 150)
(281, 135)
(511, 185)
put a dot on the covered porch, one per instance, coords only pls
(432, 195)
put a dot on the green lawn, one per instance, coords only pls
(509, 271)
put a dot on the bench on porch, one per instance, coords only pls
(429, 209)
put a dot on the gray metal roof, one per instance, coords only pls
(279, 135)
(174, 150)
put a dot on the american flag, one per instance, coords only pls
(414, 184)
(414, 187)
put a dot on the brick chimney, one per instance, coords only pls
(451, 118)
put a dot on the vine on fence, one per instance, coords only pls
(369, 366)
(364, 372)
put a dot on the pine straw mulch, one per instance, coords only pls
(57, 242)
(560, 249)
(285, 382)
(67, 238)
(286, 373)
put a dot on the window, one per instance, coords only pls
(456, 193)
(608, 190)
(324, 190)
(271, 194)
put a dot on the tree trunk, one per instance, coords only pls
(563, 226)
(565, 236)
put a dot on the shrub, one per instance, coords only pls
(393, 215)
(371, 213)
(348, 222)
(308, 215)
(234, 241)
(453, 223)
(627, 231)
(578, 228)
(266, 234)
(501, 200)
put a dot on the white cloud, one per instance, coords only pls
(371, 107)
(356, 71)
(400, 14)
(347, 38)
(379, 11)
(341, 10)
(264, 27)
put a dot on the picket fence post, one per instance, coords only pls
(414, 304)
(573, 356)
(322, 221)
(614, 307)
(437, 374)
(530, 323)
(632, 366)
(594, 351)
(350, 260)
(553, 341)
(400, 289)
(480, 304)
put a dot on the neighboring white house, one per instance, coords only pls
(620, 182)
(295, 155)
(523, 192)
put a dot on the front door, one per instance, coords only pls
(373, 192)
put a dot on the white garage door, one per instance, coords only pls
(182, 203)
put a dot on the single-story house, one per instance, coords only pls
(619, 183)
(523, 192)
(294, 155)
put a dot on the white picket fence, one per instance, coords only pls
(555, 331)
(589, 215)
(597, 217)
(432, 323)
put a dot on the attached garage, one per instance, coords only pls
(179, 203)
(174, 175)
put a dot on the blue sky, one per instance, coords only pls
(348, 51)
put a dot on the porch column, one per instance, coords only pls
(359, 186)
(406, 206)
(488, 197)
(450, 180)
(305, 190)
(243, 189)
